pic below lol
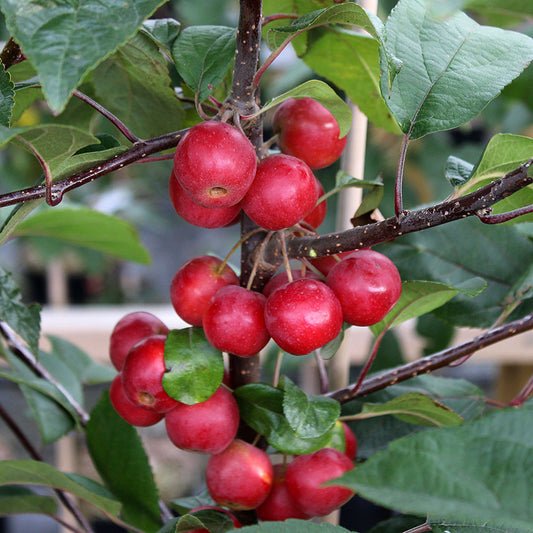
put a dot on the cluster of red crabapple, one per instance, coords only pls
(215, 176)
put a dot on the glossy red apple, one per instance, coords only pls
(326, 263)
(195, 283)
(367, 284)
(279, 504)
(240, 477)
(309, 131)
(282, 278)
(207, 427)
(142, 374)
(350, 441)
(234, 321)
(215, 164)
(127, 410)
(318, 214)
(197, 215)
(303, 315)
(282, 193)
(306, 474)
(129, 330)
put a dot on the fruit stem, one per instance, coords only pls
(237, 245)
(278, 16)
(398, 190)
(369, 361)
(277, 368)
(322, 374)
(286, 257)
(258, 259)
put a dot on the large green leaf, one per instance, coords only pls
(7, 97)
(293, 526)
(464, 398)
(30, 472)
(309, 415)
(209, 519)
(118, 454)
(164, 31)
(135, 85)
(451, 69)
(194, 368)
(203, 55)
(261, 407)
(65, 40)
(420, 297)
(20, 500)
(453, 253)
(479, 472)
(88, 228)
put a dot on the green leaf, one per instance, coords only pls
(184, 505)
(80, 35)
(323, 93)
(445, 81)
(343, 180)
(203, 55)
(454, 253)
(414, 408)
(293, 526)
(118, 454)
(194, 368)
(331, 348)
(135, 85)
(30, 472)
(309, 415)
(19, 500)
(501, 12)
(86, 370)
(88, 228)
(370, 201)
(210, 519)
(421, 297)
(503, 153)
(477, 472)
(261, 407)
(464, 398)
(164, 31)
(24, 320)
(457, 171)
(7, 97)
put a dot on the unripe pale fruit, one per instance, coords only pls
(305, 475)
(127, 410)
(207, 427)
(240, 477)
(215, 163)
(197, 215)
(282, 193)
(279, 504)
(195, 283)
(303, 315)
(129, 330)
(142, 375)
(309, 131)
(234, 321)
(367, 285)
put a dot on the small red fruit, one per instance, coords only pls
(367, 285)
(195, 283)
(215, 164)
(282, 278)
(306, 474)
(326, 263)
(282, 193)
(206, 427)
(309, 131)
(240, 477)
(234, 321)
(350, 441)
(197, 215)
(318, 214)
(129, 330)
(127, 410)
(142, 374)
(279, 504)
(303, 315)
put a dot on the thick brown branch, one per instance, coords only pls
(136, 153)
(409, 222)
(434, 361)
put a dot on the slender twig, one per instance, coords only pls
(34, 454)
(107, 114)
(279, 16)
(235, 247)
(426, 526)
(285, 257)
(398, 188)
(257, 260)
(25, 355)
(434, 361)
(322, 374)
(504, 217)
(370, 360)
(153, 159)
(524, 394)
